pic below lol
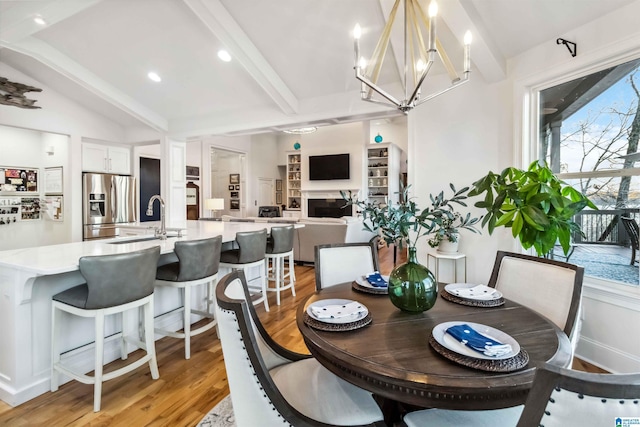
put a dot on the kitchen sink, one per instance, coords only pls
(141, 239)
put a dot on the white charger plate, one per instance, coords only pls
(452, 287)
(444, 339)
(362, 281)
(339, 320)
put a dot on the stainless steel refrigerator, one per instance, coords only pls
(107, 202)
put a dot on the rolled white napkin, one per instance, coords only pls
(337, 311)
(478, 292)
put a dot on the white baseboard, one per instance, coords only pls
(17, 397)
(606, 357)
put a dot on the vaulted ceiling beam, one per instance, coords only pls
(220, 22)
(64, 65)
(17, 28)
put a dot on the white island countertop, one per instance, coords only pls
(55, 259)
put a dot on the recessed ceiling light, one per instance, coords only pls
(154, 76)
(224, 55)
(39, 20)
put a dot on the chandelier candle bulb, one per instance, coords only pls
(357, 32)
(433, 12)
(467, 51)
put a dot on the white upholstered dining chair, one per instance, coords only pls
(559, 397)
(271, 385)
(343, 262)
(551, 288)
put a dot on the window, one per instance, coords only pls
(589, 132)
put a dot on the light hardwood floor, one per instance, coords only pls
(186, 390)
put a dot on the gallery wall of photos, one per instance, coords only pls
(14, 184)
(20, 199)
(234, 191)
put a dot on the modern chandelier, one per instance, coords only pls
(418, 58)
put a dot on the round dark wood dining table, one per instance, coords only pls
(392, 357)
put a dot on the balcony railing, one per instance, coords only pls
(604, 226)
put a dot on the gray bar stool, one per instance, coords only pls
(279, 249)
(198, 262)
(250, 253)
(115, 284)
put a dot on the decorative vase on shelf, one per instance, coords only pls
(412, 287)
(446, 246)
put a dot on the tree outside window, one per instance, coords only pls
(589, 135)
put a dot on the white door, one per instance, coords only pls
(266, 192)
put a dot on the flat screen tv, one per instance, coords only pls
(330, 166)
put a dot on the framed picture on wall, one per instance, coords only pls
(238, 187)
(53, 181)
(231, 188)
(53, 208)
(234, 205)
(278, 185)
(19, 180)
(235, 194)
(193, 173)
(234, 178)
(278, 198)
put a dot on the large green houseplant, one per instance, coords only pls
(412, 287)
(536, 205)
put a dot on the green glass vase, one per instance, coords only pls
(412, 287)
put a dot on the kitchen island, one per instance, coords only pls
(29, 277)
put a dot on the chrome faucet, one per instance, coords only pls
(162, 233)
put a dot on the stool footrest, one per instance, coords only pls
(88, 379)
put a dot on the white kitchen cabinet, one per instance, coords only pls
(291, 214)
(106, 159)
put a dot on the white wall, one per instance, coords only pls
(478, 127)
(58, 114)
(338, 139)
(263, 163)
(457, 138)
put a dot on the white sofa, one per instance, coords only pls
(321, 231)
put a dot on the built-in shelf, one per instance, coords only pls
(294, 182)
(383, 172)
